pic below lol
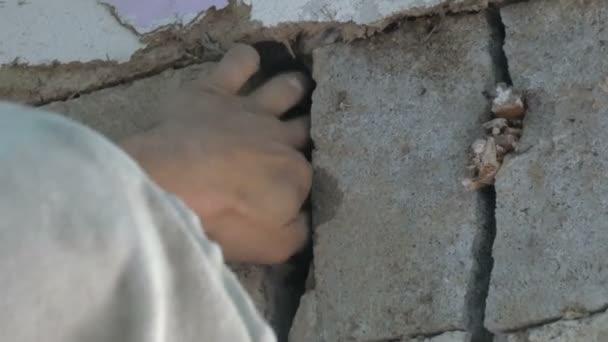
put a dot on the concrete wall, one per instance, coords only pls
(401, 251)
(41, 32)
(51, 50)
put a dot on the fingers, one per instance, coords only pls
(279, 94)
(275, 188)
(296, 132)
(233, 71)
(245, 241)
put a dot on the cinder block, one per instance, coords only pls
(551, 246)
(392, 122)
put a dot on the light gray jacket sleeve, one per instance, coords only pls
(92, 250)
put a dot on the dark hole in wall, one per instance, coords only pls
(275, 59)
(497, 41)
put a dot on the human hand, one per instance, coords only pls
(232, 160)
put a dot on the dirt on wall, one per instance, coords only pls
(176, 47)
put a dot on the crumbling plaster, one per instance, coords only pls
(41, 32)
(150, 15)
(364, 12)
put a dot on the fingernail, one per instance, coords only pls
(298, 82)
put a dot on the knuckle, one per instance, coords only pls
(305, 174)
(297, 181)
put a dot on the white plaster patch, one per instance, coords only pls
(273, 12)
(43, 31)
(146, 16)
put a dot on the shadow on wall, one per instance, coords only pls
(275, 59)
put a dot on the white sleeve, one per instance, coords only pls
(92, 250)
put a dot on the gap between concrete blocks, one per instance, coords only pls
(480, 281)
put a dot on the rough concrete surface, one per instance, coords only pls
(126, 109)
(591, 329)
(120, 111)
(394, 229)
(304, 327)
(552, 220)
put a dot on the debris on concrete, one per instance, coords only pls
(508, 103)
(485, 164)
(386, 196)
(502, 134)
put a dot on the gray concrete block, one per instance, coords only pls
(304, 327)
(273, 293)
(126, 109)
(591, 329)
(123, 110)
(552, 44)
(551, 246)
(392, 121)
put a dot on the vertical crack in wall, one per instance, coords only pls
(497, 41)
(277, 58)
(475, 300)
(480, 283)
